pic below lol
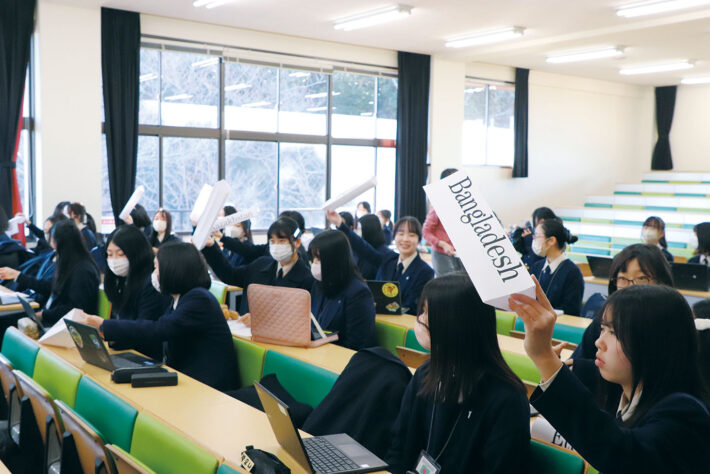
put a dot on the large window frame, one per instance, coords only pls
(27, 198)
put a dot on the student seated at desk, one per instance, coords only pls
(199, 342)
(12, 252)
(42, 235)
(407, 267)
(561, 279)
(340, 299)
(127, 282)
(283, 266)
(522, 237)
(637, 264)
(464, 407)
(653, 232)
(700, 241)
(648, 347)
(371, 232)
(385, 217)
(236, 237)
(77, 212)
(162, 231)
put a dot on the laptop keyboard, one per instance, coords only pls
(327, 458)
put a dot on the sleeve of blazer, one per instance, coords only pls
(397, 454)
(247, 250)
(82, 293)
(360, 319)
(573, 291)
(509, 433)
(221, 267)
(43, 287)
(151, 304)
(42, 243)
(611, 448)
(361, 248)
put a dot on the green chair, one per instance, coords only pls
(563, 332)
(104, 305)
(390, 336)
(225, 469)
(411, 342)
(505, 322)
(219, 290)
(164, 450)
(110, 416)
(522, 366)
(546, 458)
(20, 350)
(57, 377)
(307, 383)
(250, 358)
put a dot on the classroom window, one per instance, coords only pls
(302, 180)
(488, 136)
(189, 95)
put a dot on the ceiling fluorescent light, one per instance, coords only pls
(486, 37)
(696, 80)
(587, 55)
(651, 68)
(299, 74)
(653, 7)
(237, 87)
(218, 3)
(319, 95)
(179, 97)
(372, 17)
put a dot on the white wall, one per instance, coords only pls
(584, 136)
(690, 145)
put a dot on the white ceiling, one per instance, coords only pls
(552, 26)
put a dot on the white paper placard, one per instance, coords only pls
(235, 218)
(14, 225)
(58, 335)
(200, 202)
(481, 243)
(132, 201)
(218, 196)
(344, 198)
(542, 430)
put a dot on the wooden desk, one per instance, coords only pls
(575, 321)
(13, 308)
(601, 285)
(232, 293)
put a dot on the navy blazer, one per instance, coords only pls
(672, 437)
(564, 288)
(368, 266)
(351, 313)
(89, 238)
(261, 271)
(667, 254)
(37, 273)
(156, 242)
(80, 290)
(199, 342)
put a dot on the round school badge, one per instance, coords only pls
(390, 290)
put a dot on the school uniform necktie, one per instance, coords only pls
(545, 278)
(280, 274)
(399, 271)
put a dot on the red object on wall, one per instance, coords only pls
(16, 200)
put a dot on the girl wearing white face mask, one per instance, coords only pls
(236, 241)
(653, 232)
(281, 267)
(559, 277)
(700, 241)
(162, 229)
(340, 299)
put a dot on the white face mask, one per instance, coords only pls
(693, 241)
(160, 225)
(360, 214)
(237, 232)
(282, 253)
(119, 266)
(154, 280)
(537, 248)
(649, 235)
(316, 271)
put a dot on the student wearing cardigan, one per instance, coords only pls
(648, 347)
(340, 299)
(559, 276)
(405, 267)
(196, 335)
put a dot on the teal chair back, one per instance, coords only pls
(390, 336)
(546, 458)
(563, 332)
(224, 469)
(250, 358)
(110, 416)
(307, 383)
(412, 343)
(505, 322)
(20, 350)
(57, 377)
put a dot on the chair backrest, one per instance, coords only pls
(20, 350)
(561, 332)
(522, 366)
(164, 450)
(219, 290)
(42, 405)
(125, 463)
(306, 382)
(390, 336)
(104, 305)
(250, 358)
(412, 357)
(226, 469)
(57, 377)
(505, 321)
(89, 445)
(546, 458)
(411, 342)
(7, 378)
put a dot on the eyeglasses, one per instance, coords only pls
(642, 280)
(419, 320)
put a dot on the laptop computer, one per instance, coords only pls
(600, 266)
(388, 297)
(690, 276)
(337, 453)
(93, 350)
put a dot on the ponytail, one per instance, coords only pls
(555, 228)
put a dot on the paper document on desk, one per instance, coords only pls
(9, 298)
(238, 328)
(58, 335)
(481, 243)
(344, 198)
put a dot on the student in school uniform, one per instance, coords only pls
(162, 229)
(340, 299)
(653, 232)
(42, 235)
(406, 267)
(559, 276)
(77, 213)
(700, 241)
(386, 224)
(363, 208)
(371, 232)
(236, 240)
(648, 348)
(464, 407)
(127, 281)
(12, 252)
(199, 342)
(282, 267)
(522, 237)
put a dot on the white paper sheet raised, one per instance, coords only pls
(200, 202)
(236, 218)
(218, 196)
(58, 335)
(481, 243)
(13, 225)
(344, 198)
(542, 430)
(132, 201)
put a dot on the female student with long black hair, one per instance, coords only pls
(199, 342)
(464, 407)
(653, 232)
(700, 240)
(162, 229)
(127, 281)
(648, 347)
(77, 212)
(340, 300)
(559, 276)
(282, 267)
(371, 232)
(237, 240)
(405, 267)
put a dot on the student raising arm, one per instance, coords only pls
(648, 347)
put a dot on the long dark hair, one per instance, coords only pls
(59, 208)
(541, 214)
(372, 230)
(71, 250)
(654, 325)
(246, 227)
(650, 260)
(4, 222)
(79, 211)
(168, 221)
(181, 267)
(553, 227)
(123, 290)
(658, 224)
(337, 266)
(140, 217)
(702, 230)
(464, 344)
